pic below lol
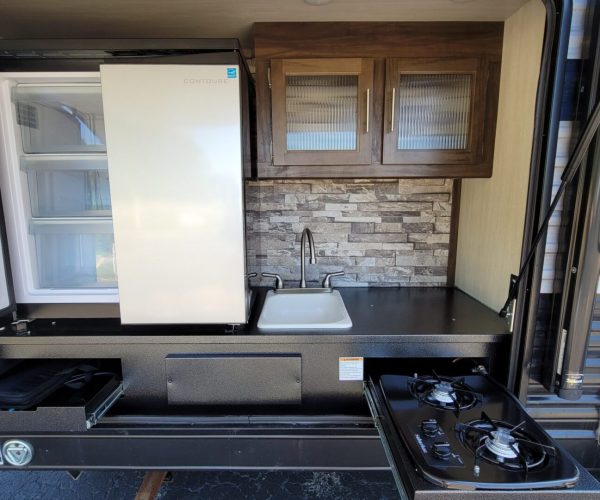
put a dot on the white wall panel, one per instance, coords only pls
(492, 211)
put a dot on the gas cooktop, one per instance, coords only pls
(470, 433)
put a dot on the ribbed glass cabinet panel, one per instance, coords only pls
(434, 111)
(322, 112)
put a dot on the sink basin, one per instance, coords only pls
(304, 311)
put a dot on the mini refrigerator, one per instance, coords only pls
(124, 182)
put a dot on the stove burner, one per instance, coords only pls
(504, 445)
(443, 392)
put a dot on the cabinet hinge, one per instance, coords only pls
(510, 316)
(20, 327)
(269, 76)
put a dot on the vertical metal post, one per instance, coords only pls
(586, 269)
(558, 22)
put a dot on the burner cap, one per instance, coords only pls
(443, 392)
(502, 444)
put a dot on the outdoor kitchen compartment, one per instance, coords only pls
(125, 232)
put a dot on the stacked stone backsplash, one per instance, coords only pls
(380, 232)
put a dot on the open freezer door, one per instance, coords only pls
(174, 144)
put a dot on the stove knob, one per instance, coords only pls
(430, 427)
(441, 450)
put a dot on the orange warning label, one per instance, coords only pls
(351, 368)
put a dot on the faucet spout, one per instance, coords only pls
(307, 233)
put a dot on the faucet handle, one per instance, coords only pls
(327, 279)
(278, 280)
(251, 275)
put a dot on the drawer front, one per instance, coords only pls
(216, 379)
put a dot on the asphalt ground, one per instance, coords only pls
(209, 485)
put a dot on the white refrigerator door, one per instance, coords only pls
(173, 135)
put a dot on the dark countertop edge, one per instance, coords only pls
(277, 338)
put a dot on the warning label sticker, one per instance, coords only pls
(351, 368)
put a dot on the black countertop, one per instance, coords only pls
(420, 312)
(378, 314)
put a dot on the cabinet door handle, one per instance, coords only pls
(368, 108)
(393, 107)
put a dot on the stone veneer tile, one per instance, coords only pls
(380, 232)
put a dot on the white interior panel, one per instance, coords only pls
(492, 211)
(175, 168)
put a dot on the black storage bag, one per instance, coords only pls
(32, 381)
(8, 364)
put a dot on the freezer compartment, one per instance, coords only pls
(39, 395)
(67, 186)
(60, 118)
(77, 253)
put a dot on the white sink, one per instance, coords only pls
(304, 311)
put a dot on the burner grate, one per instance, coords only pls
(504, 445)
(447, 393)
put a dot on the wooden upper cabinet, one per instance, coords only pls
(321, 111)
(369, 100)
(435, 111)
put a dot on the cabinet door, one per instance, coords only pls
(435, 110)
(321, 111)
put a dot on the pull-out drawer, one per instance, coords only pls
(398, 460)
(76, 404)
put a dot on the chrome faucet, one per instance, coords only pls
(313, 258)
